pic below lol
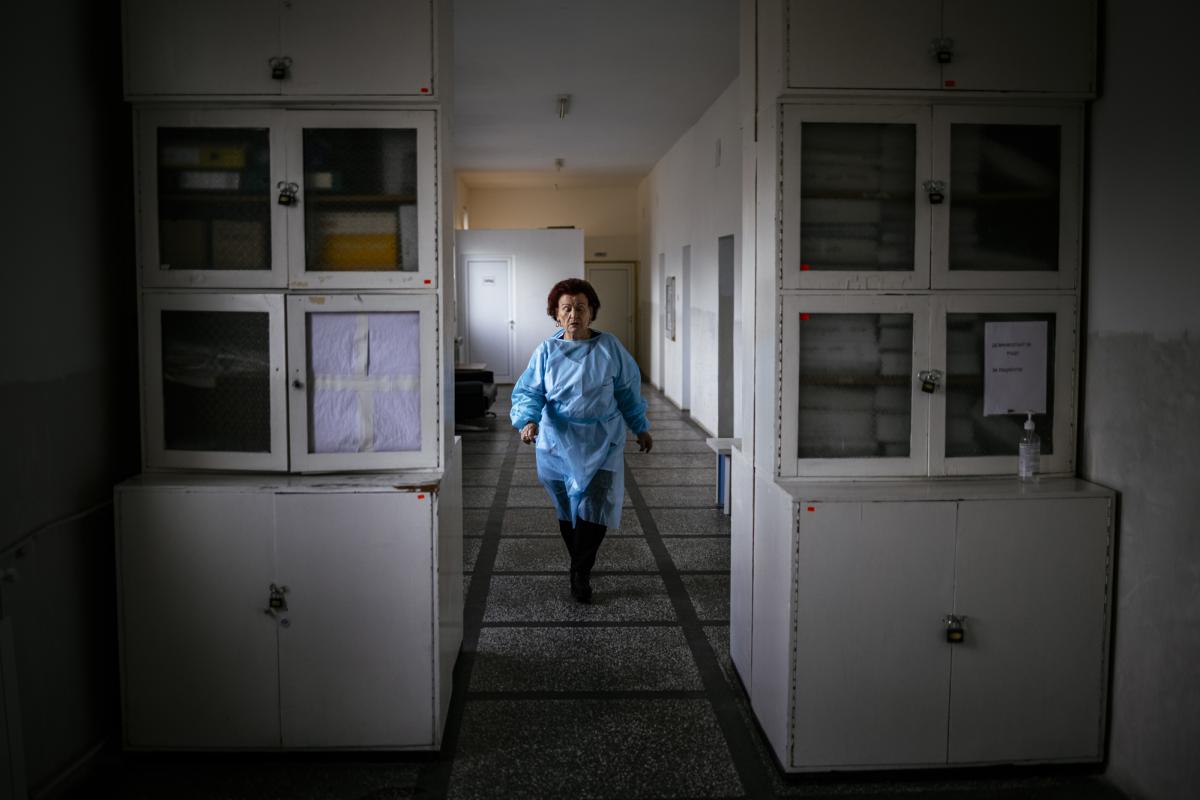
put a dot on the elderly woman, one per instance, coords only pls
(579, 392)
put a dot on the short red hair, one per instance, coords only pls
(572, 286)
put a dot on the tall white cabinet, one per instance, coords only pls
(898, 598)
(290, 562)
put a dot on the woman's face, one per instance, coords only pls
(574, 316)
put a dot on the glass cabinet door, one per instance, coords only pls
(850, 403)
(363, 381)
(852, 215)
(209, 217)
(1031, 340)
(364, 216)
(214, 381)
(1011, 213)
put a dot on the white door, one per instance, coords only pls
(199, 655)
(1028, 681)
(356, 652)
(872, 667)
(613, 283)
(489, 315)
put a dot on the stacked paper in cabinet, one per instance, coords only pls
(365, 391)
(362, 240)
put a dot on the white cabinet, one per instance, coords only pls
(905, 196)
(877, 571)
(293, 614)
(338, 199)
(356, 390)
(278, 47)
(942, 45)
(854, 400)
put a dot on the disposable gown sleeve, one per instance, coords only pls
(627, 389)
(529, 392)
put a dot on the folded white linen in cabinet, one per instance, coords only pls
(364, 372)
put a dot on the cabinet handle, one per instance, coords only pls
(297, 383)
(287, 193)
(935, 189)
(281, 67)
(942, 49)
(955, 633)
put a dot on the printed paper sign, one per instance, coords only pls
(1014, 367)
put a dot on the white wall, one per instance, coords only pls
(606, 214)
(1141, 394)
(540, 260)
(688, 199)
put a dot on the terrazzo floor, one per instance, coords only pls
(633, 696)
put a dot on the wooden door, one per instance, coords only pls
(615, 284)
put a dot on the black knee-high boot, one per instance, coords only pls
(568, 537)
(588, 536)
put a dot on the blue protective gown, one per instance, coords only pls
(581, 394)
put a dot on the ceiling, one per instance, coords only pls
(639, 73)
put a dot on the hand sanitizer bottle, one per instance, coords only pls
(1029, 452)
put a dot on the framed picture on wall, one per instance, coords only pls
(669, 319)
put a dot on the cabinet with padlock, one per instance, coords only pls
(275, 198)
(290, 48)
(877, 385)
(879, 196)
(988, 604)
(288, 613)
(942, 45)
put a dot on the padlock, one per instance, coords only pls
(287, 192)
(954, 629)
(280, 67)
(936, 191)
(929, 378)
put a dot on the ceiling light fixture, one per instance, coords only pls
(564, 105)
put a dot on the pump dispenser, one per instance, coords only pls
(1029, 452)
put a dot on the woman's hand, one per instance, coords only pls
(645, 442)
(529, 433)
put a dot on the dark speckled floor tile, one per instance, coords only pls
(657, 459)
(587, 659)
(471, 447)
(718, 640)
(478, 497)
(480, 477)
(689, 445)
(537, 496)
(690, 520)
(558, 749)
(545, 554)
(546, 598)
(544, 522)
(670, 433)
(474, 521)
(525, 476)
(694, 476)
(470, 552)
(483, 461)
(679, 496)
(698, 555)
(710, 596)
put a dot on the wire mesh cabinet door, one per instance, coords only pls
(213, 381)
